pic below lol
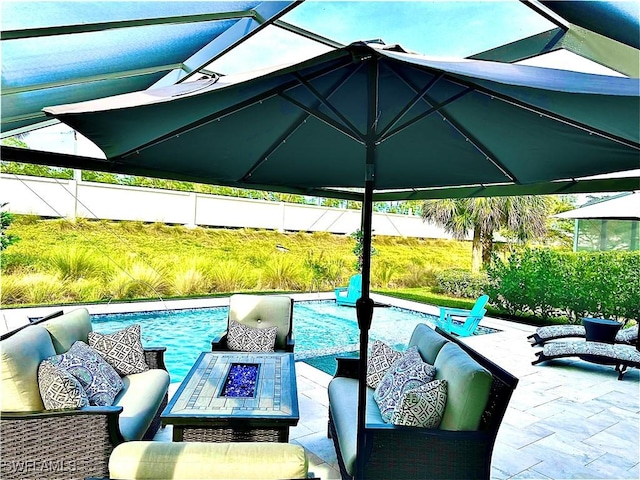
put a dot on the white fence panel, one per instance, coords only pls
(47, 197)
(98, 200)
(57, 198)
(217, 211)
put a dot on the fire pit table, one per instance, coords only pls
(235, 397)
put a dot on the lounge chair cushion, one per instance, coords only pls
(122, 349)
(469, 385)
(138, 410)
(422, 406)
(343, 403)
(69, 328)
(101, 382)
(623, 354)
(555, 332)
(199, 461)
(382, 357)
(407, 373)
(628, 335)
(244, 338)
(21, 355)
(60, 389)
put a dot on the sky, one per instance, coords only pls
(433, 28)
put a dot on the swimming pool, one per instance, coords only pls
(321, 328)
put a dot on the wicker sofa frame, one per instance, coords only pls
(408, 452)
(69, 444)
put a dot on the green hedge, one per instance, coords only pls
(461, 283)
(551, 284)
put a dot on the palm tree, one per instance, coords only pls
(523, 218)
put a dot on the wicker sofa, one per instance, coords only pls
(69, 443)
(460, 448)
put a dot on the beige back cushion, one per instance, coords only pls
(20, 356)
(69, 328)
(259, 311)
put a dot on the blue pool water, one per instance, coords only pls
(321, 328)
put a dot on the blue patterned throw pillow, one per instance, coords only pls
(407, 373)
(99, 380)
(59, 389)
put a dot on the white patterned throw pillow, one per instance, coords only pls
(59, 389)
(243, 338)
(422, 406)
(99, 380)
(122, 349)
(407, 373)
(381, 359)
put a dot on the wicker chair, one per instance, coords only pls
(261, 311)
(70, 443)
(409, 452)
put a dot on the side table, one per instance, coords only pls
(601, 329)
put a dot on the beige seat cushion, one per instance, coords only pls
(197, 461)
(66, 329)
(259, 311)
(19, 359)
(140, 399)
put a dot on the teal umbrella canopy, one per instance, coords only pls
(430, 123)
(363, 121)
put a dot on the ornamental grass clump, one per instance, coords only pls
(230, 276)
(283, 274)
(41, 288)
(139, 280)
(13, 290)
(190, 279)
(76, 263)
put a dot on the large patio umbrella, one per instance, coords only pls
(363, 120)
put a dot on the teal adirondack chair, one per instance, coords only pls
(348, 296)
(462, 322)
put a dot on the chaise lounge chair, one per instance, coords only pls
(348, 296)
(462, 322)
(622, 356)
(627, 336)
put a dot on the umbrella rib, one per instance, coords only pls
(324, 118)
(303, 119)
(225, 112)
(437, 108)
(277, 144)
(409, 105)
(561, 119)
(325, 101)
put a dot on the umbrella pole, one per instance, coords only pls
(364, 312)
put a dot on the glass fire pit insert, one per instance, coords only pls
(241, 380)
